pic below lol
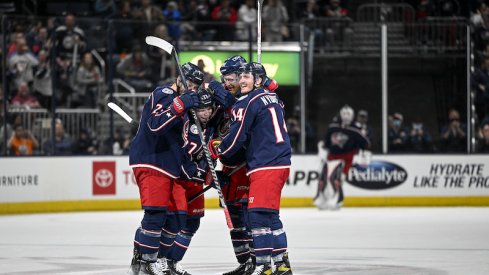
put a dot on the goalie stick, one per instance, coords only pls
(167, 47)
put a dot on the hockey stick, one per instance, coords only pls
(258, 34)
(201, 192)
(167, 47)
(120, 112)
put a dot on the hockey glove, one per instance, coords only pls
(270, 84)
(219, 94)
(184, 102)
(213, 144)
(200, 172)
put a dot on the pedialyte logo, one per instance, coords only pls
(377, 175)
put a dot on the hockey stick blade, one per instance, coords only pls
(160, 43)
(119, 111)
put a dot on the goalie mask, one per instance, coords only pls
(346, 114)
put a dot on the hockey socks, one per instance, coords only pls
(169, 232)
(279, 239)
(148, 235)
(182, 241)
(240, 235)
(262, 235)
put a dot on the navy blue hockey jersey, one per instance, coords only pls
(158, 141)
(340, 140)
(258, 125)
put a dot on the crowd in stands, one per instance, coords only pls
(61, 43)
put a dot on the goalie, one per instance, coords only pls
(343, 140)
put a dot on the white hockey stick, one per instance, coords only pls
(167, 47)
(120, 112)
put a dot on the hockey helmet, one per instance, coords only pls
(193, 73)
(256, 69)
(205, 98)
(232, 65)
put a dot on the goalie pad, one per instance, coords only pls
(330, 192)
(363, 158)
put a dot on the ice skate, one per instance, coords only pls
(283, 267)
(245, 268)
(265, 269)
(176, 268)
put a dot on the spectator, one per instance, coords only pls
(38, 39)
(197, 11)
(63, 144)
(172, 14)
(424, 10)
(21, 64)
(86, 144)
(15, 38)
(226, 15)
(123, 28)
(136, 69)
(275, 20)
(294, 130)
(483, 142)
(246, 21)
(24, 98)
(148, 12)
(88, 81)
(448, 8)
(361, 121)
(121, 143)
(70, 43)
(338, 30)
(420, 140)
(42, 86)
(453, 135)
(105, 8)
(397, 134)
(22, 142)
(480, 22)
(207, 76)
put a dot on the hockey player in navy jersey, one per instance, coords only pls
(342, 141)
(257, 125)
(156, 157)
(185, 219)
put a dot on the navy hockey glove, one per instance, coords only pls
(219, 94)
(270, 84)
(184, 102)
(221, 177)
(200, 172)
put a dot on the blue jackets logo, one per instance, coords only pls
(377, 175)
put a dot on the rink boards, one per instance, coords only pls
(54, 184)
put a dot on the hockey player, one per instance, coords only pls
(342, 141)
(186, 217)
(156, 157)
(236, 193)
(257, 123)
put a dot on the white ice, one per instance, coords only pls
(348, 241)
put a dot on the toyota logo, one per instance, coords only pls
(104, 178)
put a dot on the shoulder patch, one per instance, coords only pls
(194, 130)
(167, 91)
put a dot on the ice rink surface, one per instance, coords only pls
(376, 241)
